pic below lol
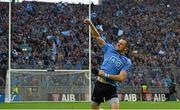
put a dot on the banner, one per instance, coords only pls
(129, 97)
(154, 97)
(143, 97)
(66, 97)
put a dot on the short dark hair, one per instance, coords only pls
(127, 40)
(127, 44)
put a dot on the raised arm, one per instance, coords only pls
(94, 32)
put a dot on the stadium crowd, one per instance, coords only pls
(152, 29)
(4, 28)
(52, 35)
(49, 35)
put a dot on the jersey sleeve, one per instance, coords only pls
(127, 66)
(107, 47)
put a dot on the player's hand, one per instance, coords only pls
(87, 21)
(101, 73)
(97, 72)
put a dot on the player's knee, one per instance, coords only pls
(114, 106)
(114, 103)
(95, 104)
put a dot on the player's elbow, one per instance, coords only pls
(122, 76)
(121, 79)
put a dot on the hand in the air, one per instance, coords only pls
(87, 21)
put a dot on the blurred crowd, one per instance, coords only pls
(49, 35)
(4, 28)
(152, 28)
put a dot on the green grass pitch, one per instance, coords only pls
(86, 105)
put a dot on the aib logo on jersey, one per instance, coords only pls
(116, 61)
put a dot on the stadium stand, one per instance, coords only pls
(3, 41)
(152, 29)
(49, 35)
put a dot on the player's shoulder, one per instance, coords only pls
(108, 45)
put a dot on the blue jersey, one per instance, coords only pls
(113, 62)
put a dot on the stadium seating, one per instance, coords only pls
(48, 35)
(151, 27)
(4, 12)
